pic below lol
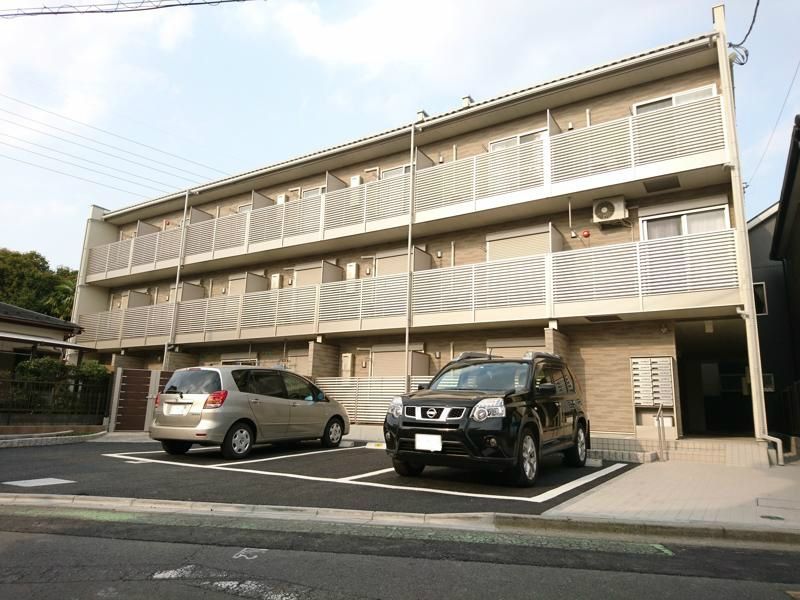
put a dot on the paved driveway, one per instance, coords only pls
(354, 477)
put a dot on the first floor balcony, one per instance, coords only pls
(655, 277)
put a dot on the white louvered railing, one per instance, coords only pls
(366, 399)
(675, 265)
(622, 145)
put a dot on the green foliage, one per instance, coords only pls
(43, 369)
(46, 369)
(27, 281)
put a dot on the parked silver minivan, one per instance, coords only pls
(236, 407)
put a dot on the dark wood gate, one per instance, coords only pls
(135, 393)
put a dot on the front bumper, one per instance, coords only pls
(467, 444)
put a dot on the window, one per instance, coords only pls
(702, 220)
(193, 381)
(297, 389)
(267, 383)
(674, 100)
(395, 172)
(760, 293)
(244, 208)
(516, 140)
(312, 192)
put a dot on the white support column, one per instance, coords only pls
(742, 242)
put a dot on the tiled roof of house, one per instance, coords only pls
(9, 312)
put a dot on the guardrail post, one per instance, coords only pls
(246, 244)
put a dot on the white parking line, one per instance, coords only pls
(543, 497)
(365, 475)
(257, 460)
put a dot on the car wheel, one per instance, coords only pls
(238, 441)
(407, 469)
(526, 470)
(175, 446)
(333, 433)
(576, 456)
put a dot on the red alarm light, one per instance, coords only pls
(586, 233)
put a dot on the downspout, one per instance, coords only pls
(742, 243)
(410, 257)
(181, 252)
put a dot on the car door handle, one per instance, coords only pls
(255, 400)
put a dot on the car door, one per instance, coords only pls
(308, 413)
(547, 403)
(569, 405)
(270, 405)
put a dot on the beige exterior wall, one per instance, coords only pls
(599, 356)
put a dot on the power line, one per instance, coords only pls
(83, 137)
(774, 127)
(25, 162)
(742, 54)
(74, 143)
(72, 164)
(120, 6)
(111, 133)
(92, 162)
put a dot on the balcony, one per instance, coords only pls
(670, 140)
(670, 274)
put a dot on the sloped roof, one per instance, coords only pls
(9, 312)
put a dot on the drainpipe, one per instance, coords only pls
(742, 243)
(181, 252)
(410, 262)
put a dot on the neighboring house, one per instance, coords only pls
(598, 215)
(25, 334)
(786, 249)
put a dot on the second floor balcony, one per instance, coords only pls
(679, 273)
(679, 138)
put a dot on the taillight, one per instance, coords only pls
(158, 400)
(216, 399)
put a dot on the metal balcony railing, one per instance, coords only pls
(622, 145)
(529, 287)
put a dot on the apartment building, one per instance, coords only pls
(598, 215)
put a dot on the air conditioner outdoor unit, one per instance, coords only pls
(609, 210)
(355, 180)
(281, 199)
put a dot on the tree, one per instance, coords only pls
(27, 281)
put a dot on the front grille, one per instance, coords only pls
(434, 413)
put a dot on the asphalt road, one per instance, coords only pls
(61, 554)
(304, 475)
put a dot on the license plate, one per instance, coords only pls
(177, 410)
(426, 441)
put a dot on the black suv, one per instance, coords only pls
(501, 414)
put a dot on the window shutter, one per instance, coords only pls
(522, 245)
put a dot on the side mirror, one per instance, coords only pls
(546, 389)
(321, 396)
(423, 386)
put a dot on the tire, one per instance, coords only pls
(238, 441)
(576, 456)
(175, 447)
(526, 469)
(407, 469)
(332, 436)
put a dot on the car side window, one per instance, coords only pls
(241, 378)
(267, 383)
(297, 389)
(542, 375)
(569, 380)
(557, 377)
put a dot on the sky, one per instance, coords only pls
(239, 86)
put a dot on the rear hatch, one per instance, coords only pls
(181, 402)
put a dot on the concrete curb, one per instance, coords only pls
(498, 522)
(49, 441)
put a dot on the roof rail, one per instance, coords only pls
(535, 355)
(469, 355)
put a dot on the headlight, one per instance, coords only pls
(396, 407)
(487, 408)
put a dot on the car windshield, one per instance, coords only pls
(193, 382)
(489, 376)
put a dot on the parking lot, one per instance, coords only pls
(358, 476)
